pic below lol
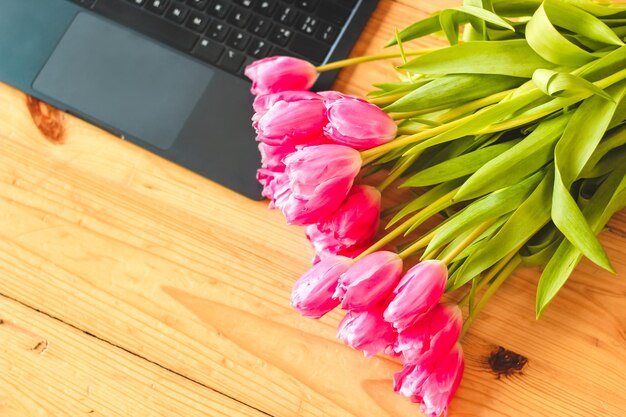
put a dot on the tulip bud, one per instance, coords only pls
(320, 178)
(292, 122)
(433, 389)
(366, 331)
(312, 294)
(369, 281)
(358, 124)
(280, 73)
(275, 185)
(419, 290)
(353, 224)
(272, 157)
(432, 337)
(263, 103)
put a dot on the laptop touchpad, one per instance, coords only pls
(123, 80)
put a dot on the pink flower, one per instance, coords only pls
(359, 124)
(353, 224)
(312, 294)
(332, 96)
(369, 281)
(366, 331)
(275, 185)
(351, 253)
(280, 73)
(272, 157)
(417, 293)
(320, 178)
(432, 337)
(433, 389)
(263, 103)
(292, 122)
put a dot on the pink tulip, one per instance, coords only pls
(433, 389)
(353, 224)
(263, 103)
(351, 253)
(312, 294)
(359, 124)
(272, 157)
(292, 122)
(432, 337)
(320, 178)
(369, 281)
(366, 331)
(417, 293)
(280, 73)
(275, 185)
(332, 96)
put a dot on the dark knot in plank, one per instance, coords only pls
(48, 120)
(504, 362)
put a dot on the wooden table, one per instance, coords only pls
(131, 287)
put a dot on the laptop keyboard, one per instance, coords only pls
(233, 33)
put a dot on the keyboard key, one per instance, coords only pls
(265, 7)
(309, 48)
(219, 8)
(286, 15)
(197, 21)
(307, 24)
(208, 50)
(157, 6)
(281, 35)
(332, 12)
(259, 48)
(177, 13)
(239, 17)
(139, 3)
(238, 39)
(218, 30)
(327, 33)
(146, 23)
(276, 51)
(306, 4)
(245, 3)
(259, 26)
(198, 4)
(231, 61)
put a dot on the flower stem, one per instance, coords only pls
(467, 241)
(396, 173)
(419, 244)
(398, 231)
(500, 278)
(485, 280)
(368, 58)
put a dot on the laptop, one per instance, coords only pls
(167, 75)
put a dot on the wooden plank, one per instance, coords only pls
(48, 368)
(176, 269)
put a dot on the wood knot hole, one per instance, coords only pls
(505, 362)
(48, 120)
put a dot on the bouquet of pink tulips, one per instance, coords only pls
(514, 134)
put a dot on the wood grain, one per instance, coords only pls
(48, 368)
(185, 274)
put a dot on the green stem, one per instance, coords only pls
(396, 173)
(467, 241)
(501, 277)
(419, 244)
(398, 231)
(485, 280)
(368, 58)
